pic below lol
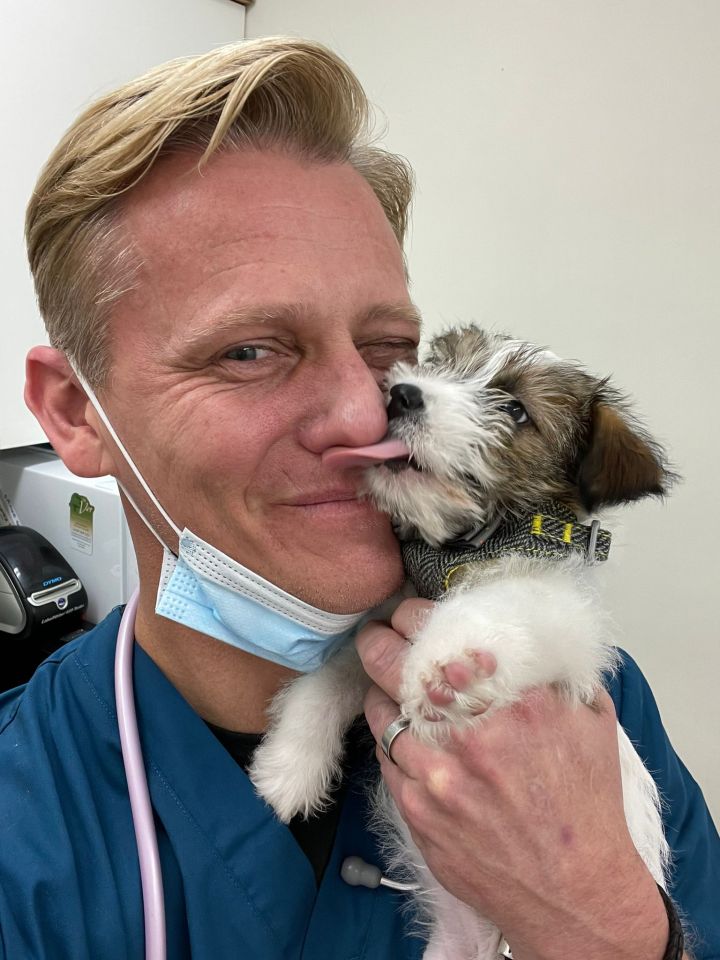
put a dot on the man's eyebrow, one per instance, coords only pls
(393, 311)
(241, 317)
(292, 313)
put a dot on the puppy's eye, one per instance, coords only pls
(516, 410)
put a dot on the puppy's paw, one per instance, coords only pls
(290, 784)
(451, 693)
(464, 676)
(452, 681)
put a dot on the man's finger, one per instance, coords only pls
(382, 648)
(382, 652)
(380, 711)
(410, 616)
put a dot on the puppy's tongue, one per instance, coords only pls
(364, 456)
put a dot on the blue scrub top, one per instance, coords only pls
(236, 883)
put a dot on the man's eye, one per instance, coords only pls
(248, 353)
(387, 352)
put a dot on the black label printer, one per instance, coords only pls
(41, 602)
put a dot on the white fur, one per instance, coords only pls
(456, 426)
(298, 762)
(456, 439)
(543, 624)
(540, 621)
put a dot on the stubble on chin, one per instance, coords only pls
(352, 587)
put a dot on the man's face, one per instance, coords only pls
(272, 300)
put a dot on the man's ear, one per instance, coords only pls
(61, 406)
(621, 462)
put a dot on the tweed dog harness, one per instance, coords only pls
(550, 531)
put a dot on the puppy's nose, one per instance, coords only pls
(404, 398)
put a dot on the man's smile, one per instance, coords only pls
(329, 495)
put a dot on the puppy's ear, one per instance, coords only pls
(620, 463)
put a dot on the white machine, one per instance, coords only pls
(82, 518)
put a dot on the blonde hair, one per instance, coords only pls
(277, 92)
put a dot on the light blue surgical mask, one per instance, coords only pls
(206, 590)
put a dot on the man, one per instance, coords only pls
(217, 252)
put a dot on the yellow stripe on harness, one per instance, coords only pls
(567, 533)
(451, 573)
(537, 521)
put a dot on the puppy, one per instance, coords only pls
(499, 452)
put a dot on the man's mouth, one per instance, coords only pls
(318, 497)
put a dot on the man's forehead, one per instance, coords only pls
(259, 183)
(208, 265)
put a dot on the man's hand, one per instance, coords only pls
(521, 816)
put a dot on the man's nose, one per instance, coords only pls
(349, 408)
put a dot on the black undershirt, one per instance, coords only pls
(316, 835)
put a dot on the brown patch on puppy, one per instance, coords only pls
(621, 463)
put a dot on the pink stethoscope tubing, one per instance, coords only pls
(142, 814)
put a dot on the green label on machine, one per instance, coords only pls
(81, 522)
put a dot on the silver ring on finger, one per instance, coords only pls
(392, 731)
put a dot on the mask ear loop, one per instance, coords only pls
(128, 459)
(144, 519)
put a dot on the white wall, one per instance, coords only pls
(54, 59)
(567, 155)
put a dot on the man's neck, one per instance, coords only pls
(225, 686)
